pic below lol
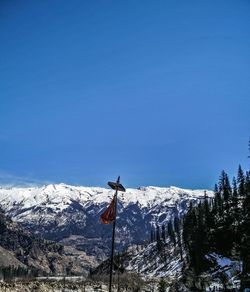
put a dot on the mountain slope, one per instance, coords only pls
(19, 248)
(70, 214)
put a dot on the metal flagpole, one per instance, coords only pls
(113, 246)
(117, 187)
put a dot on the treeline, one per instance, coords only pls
(10, 272)
(171, 230)
(220, 225)
(171, 233)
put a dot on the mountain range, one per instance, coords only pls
(69, 214)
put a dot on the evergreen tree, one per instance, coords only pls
(171, 232)
(235, 202)
(241, 182)
(235, 192)
(158, 236)
(177, 228)
(207, 214)
(163, 233)
(225, 189)
(162, 286)
(218, 205)
(160, 245)
(152, 234)
(245, 247)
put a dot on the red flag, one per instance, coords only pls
(109, 215)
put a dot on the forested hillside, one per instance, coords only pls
(220, 226)
(206, 248)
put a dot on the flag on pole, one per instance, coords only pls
(109, 215)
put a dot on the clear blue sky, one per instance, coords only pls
(156, 91)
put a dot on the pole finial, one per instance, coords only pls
(116, 185)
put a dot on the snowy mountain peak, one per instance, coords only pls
(63, 194)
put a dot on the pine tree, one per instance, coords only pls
(152, 234)
(245, 247)
(241, 182)
(218, 205)
(160, 245)
(177, 228)
(171, 232)
(225, 189)
(189, 235)
(235, 201)
(158, 236)
(162, 286)
(163, 233)
(208, 217)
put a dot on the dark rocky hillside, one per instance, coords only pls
(21, 249)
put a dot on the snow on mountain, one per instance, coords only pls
(225, 271)
(62, 195)
(150, 262)
(71, 213)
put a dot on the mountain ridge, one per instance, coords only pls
(92, 192)
(70, 214)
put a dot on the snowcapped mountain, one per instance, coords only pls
(62, 195)
(70, 214)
